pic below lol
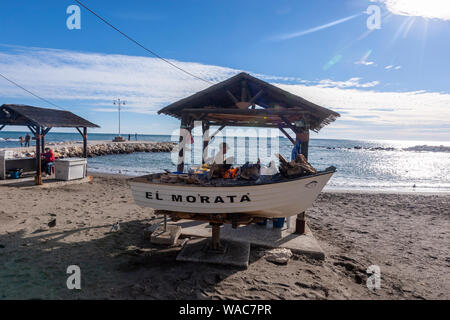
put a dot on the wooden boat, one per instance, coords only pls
(274, 199)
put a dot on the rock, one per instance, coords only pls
(52, 223)
(279, 256)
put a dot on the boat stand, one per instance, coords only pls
(165, 234)
(215, 251)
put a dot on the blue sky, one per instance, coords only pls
(387, 83)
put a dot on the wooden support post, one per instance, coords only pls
(215, 240)
(1, 127)
(182, 142)
(38, 177)
(300, 223)
(85, 153)
(42, 141)
(205, 130)
(305, 147)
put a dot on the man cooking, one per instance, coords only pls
(300, 137)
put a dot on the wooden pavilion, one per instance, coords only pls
(40, 121)
(245, 101)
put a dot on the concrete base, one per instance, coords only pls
(119, 139)
(48, 182)
(168, 237)
(264, 236)
(234, 253)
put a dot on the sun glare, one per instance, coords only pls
(434, 9)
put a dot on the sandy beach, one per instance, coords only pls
(406, 235)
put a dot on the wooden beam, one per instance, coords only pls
(33, 130)
(85, 153)
(47, 131)
(246, 111)
(205, 129)
(243, 91)
(252, 100)
(217, 131)
(235, 100)
(287, 135)
(286, 120)
(38, 177)
(251, 125)
(183, 125)
(78, 129)
(1, 127)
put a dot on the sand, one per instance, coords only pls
(406, 235)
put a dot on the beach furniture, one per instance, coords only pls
(8, 163)
(70, 168)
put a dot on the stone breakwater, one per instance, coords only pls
(75, 150)
(116, 148)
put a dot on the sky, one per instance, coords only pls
(387, 77)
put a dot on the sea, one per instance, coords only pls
(400, 166)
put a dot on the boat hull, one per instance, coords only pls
(273, 200)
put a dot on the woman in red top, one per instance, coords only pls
(48, 157)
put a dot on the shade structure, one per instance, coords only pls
(244, 100)
(40, 121)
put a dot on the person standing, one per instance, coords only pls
(27, 140)
(300, 137)
(21, 140)
(129, 137)
(135, 136)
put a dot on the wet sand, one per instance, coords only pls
(406, 235)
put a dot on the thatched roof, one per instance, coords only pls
(22, 115)
(236, 100)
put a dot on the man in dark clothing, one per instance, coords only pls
(27, 140)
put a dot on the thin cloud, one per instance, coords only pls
(392, 67)
(90, 81)
(288, 36)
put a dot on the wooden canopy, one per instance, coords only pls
(40, 121)
(22, 115)
(244, 100)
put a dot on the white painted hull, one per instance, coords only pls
(273, 200)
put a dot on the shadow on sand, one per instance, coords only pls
(114, 265)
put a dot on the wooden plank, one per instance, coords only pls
(85, 153)
(252, 100)
(245, 111)
(33, 130)
(183, 125)
(38, 177)
(287, 135)
(235, 100)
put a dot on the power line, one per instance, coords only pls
(141, 45)
(32, 93)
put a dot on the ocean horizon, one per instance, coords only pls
(364, 165)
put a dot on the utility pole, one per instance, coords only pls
(119, 103)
